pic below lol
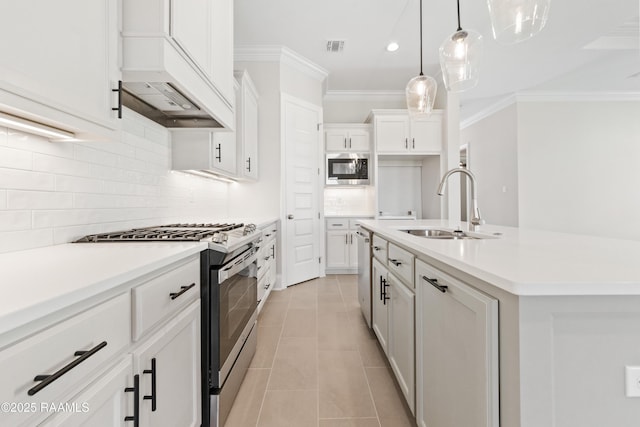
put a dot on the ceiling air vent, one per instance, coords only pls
(335, 45)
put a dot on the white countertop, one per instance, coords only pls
(529, 262)
(38, 282)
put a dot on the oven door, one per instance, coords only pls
(238, 295)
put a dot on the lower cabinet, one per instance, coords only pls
(342, 245)
(380, 312)
(457, 352)
(103, 404)
(267, 268)
(169, 368)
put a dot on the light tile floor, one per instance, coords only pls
(317, 364)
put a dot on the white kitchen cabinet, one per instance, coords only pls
(105, 403)
(169, 368)
(347, 137)
(380, 308)
(188, 43)
(380, 248)
(397, 133)
(247, 126)
(202, 150)
(457, 352)
(267, 268)
(58, 69)
(341, 246)
(401, 345)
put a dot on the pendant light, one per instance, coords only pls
(513, 21)
(421, 90)
(460, 58)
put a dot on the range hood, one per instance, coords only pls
(165, 105)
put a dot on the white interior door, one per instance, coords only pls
(302, 222)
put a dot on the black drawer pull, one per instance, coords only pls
(136, 401)
(219, 150)
(183, 289)
(384, 292)
(153, 395)
(249, 164)
(376, 248)
(48, 379)
(395, 262)
(435, 284)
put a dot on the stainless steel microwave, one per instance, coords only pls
(348, 169)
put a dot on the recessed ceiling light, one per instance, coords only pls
(392, 47)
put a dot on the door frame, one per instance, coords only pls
(286, 99)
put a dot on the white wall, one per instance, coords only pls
(55, 192)
(578, 167)
(493, 158)
(354, 108)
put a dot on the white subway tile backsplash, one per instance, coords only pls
(15, 220)
(60, 165)
(19, 199)
(15, 159)
(82, 188)
(26, 180)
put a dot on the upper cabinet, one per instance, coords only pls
(247, 126)
(347, 137)
(59, 69)
(186, 43)
(397, 133)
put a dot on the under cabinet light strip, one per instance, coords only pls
(29, 126)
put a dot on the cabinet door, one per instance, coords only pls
(190, 29)
(457, 353)
(222, 47)
(353, 250)
(224, 151)
(426, 135)
(380, 315)
(104, 403)
(359, 140)
(401, 337)
(62, 55)
(173, 356)
(250, 134)
(336, 140)
(392, 134)
(337, 249)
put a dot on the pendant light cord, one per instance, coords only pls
(421, 38)
(459, 27)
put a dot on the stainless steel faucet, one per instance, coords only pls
(476, 220)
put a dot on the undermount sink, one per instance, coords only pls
(437, 233)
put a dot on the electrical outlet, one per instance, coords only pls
(632, 381)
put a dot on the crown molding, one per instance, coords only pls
(282, 55)
(360, 95)
(577, 96)
(488, 111)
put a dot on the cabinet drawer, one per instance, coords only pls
(101, 332)
(379, 246)
(401, 263)
(337, 224)
(353, 223)
(269, 233)
(163, 296)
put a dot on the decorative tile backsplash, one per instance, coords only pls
(55, 192)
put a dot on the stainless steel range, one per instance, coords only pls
(228, 303)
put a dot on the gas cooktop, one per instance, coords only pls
(221, 236)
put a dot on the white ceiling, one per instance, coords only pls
(556, 59)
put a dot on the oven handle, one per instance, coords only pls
(238, 265)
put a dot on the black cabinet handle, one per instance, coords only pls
(384, 293)
(273, 251)
(153, 395)
(219, 150)
(435, 284)
(48, 379)
(249, 164)
(406, 143)
(119, 107)
(345, 142)
(136, 401)
(183, 289)
(376, 248)
(413, 141)
(349, 142)
(381, 291)
(395, 262)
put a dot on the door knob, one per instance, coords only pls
(289, 216)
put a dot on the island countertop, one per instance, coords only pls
(527, 262)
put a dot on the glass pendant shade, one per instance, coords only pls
(513, 21)
(460, 56)
(421, 94)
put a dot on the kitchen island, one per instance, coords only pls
(566, 323)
